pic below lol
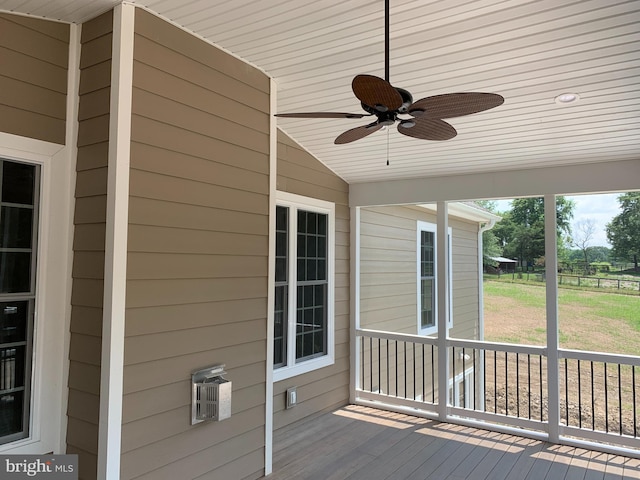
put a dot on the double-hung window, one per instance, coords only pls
(18, 227)
(427, 291)
(303, 321)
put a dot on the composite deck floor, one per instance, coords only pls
(360, 443)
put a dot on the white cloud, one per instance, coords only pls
(601, 209)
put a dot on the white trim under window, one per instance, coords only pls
(426, 263)
(290, 307)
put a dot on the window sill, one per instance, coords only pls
(300, 368)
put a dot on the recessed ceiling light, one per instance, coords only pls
(567, 98)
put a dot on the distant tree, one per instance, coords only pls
(583, 233)
(521, 232)
(599, 254)
(490, 205)
(623, 232)
(490, 248)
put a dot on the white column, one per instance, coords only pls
(115, 268)
(442, 286)
(355, 302)
(551, 272)
(273, 172)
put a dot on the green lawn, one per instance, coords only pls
(599, 321)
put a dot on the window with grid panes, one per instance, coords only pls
(427, 279)
(303, 315)
(18, 228)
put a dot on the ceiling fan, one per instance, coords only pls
(422, 119)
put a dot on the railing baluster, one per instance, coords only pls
(495, 381)
(635, 404)
(518, 384)
(620, 398)
(541, 399)
(424, 379)
(433, 377)
(464, 380)
(506, 383)
(396, 392)
(371, 364)
(606, 399)
(363, 355)
(404, 353)
(453, 373)
(475, 393)
(566, 389)
(529, 381)
(388, 371)
(414, 371)
(579, 397)
(379, 366)
(593, 402)
(484, 380)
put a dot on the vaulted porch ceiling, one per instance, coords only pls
(527, 51)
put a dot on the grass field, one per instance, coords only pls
(597, 321)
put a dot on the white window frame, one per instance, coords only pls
(295, 202)
(457, 383)
(422, 226)
(49, 368)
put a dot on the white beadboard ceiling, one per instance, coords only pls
(527, 51)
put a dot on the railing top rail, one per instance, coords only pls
(599, 357)
(500, 347)
(400, 337)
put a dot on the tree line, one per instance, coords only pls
(520, 233)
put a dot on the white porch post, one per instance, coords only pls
(442, 286)
(551, 272)
(354, 303)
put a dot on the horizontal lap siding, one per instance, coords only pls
(388, 283)
(318, 391)
(89, 243)
(465, 279)
(197, 255)
(34, 55)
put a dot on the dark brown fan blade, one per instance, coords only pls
(427, 129)
(455, 104)
(357, 133)
(322, 115)
(376, 93)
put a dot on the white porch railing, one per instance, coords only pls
(505, 387)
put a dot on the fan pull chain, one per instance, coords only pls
(387, 147)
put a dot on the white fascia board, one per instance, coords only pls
(618, 176)
(465, 212)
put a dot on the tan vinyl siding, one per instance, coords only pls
(388, 292)
(323, 389)
(89, 244)
(388, 282)
(34, 55)
(197, 256)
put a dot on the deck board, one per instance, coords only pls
(362, 443)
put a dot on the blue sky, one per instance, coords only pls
(601, 208)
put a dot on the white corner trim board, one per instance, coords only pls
(115, 271)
